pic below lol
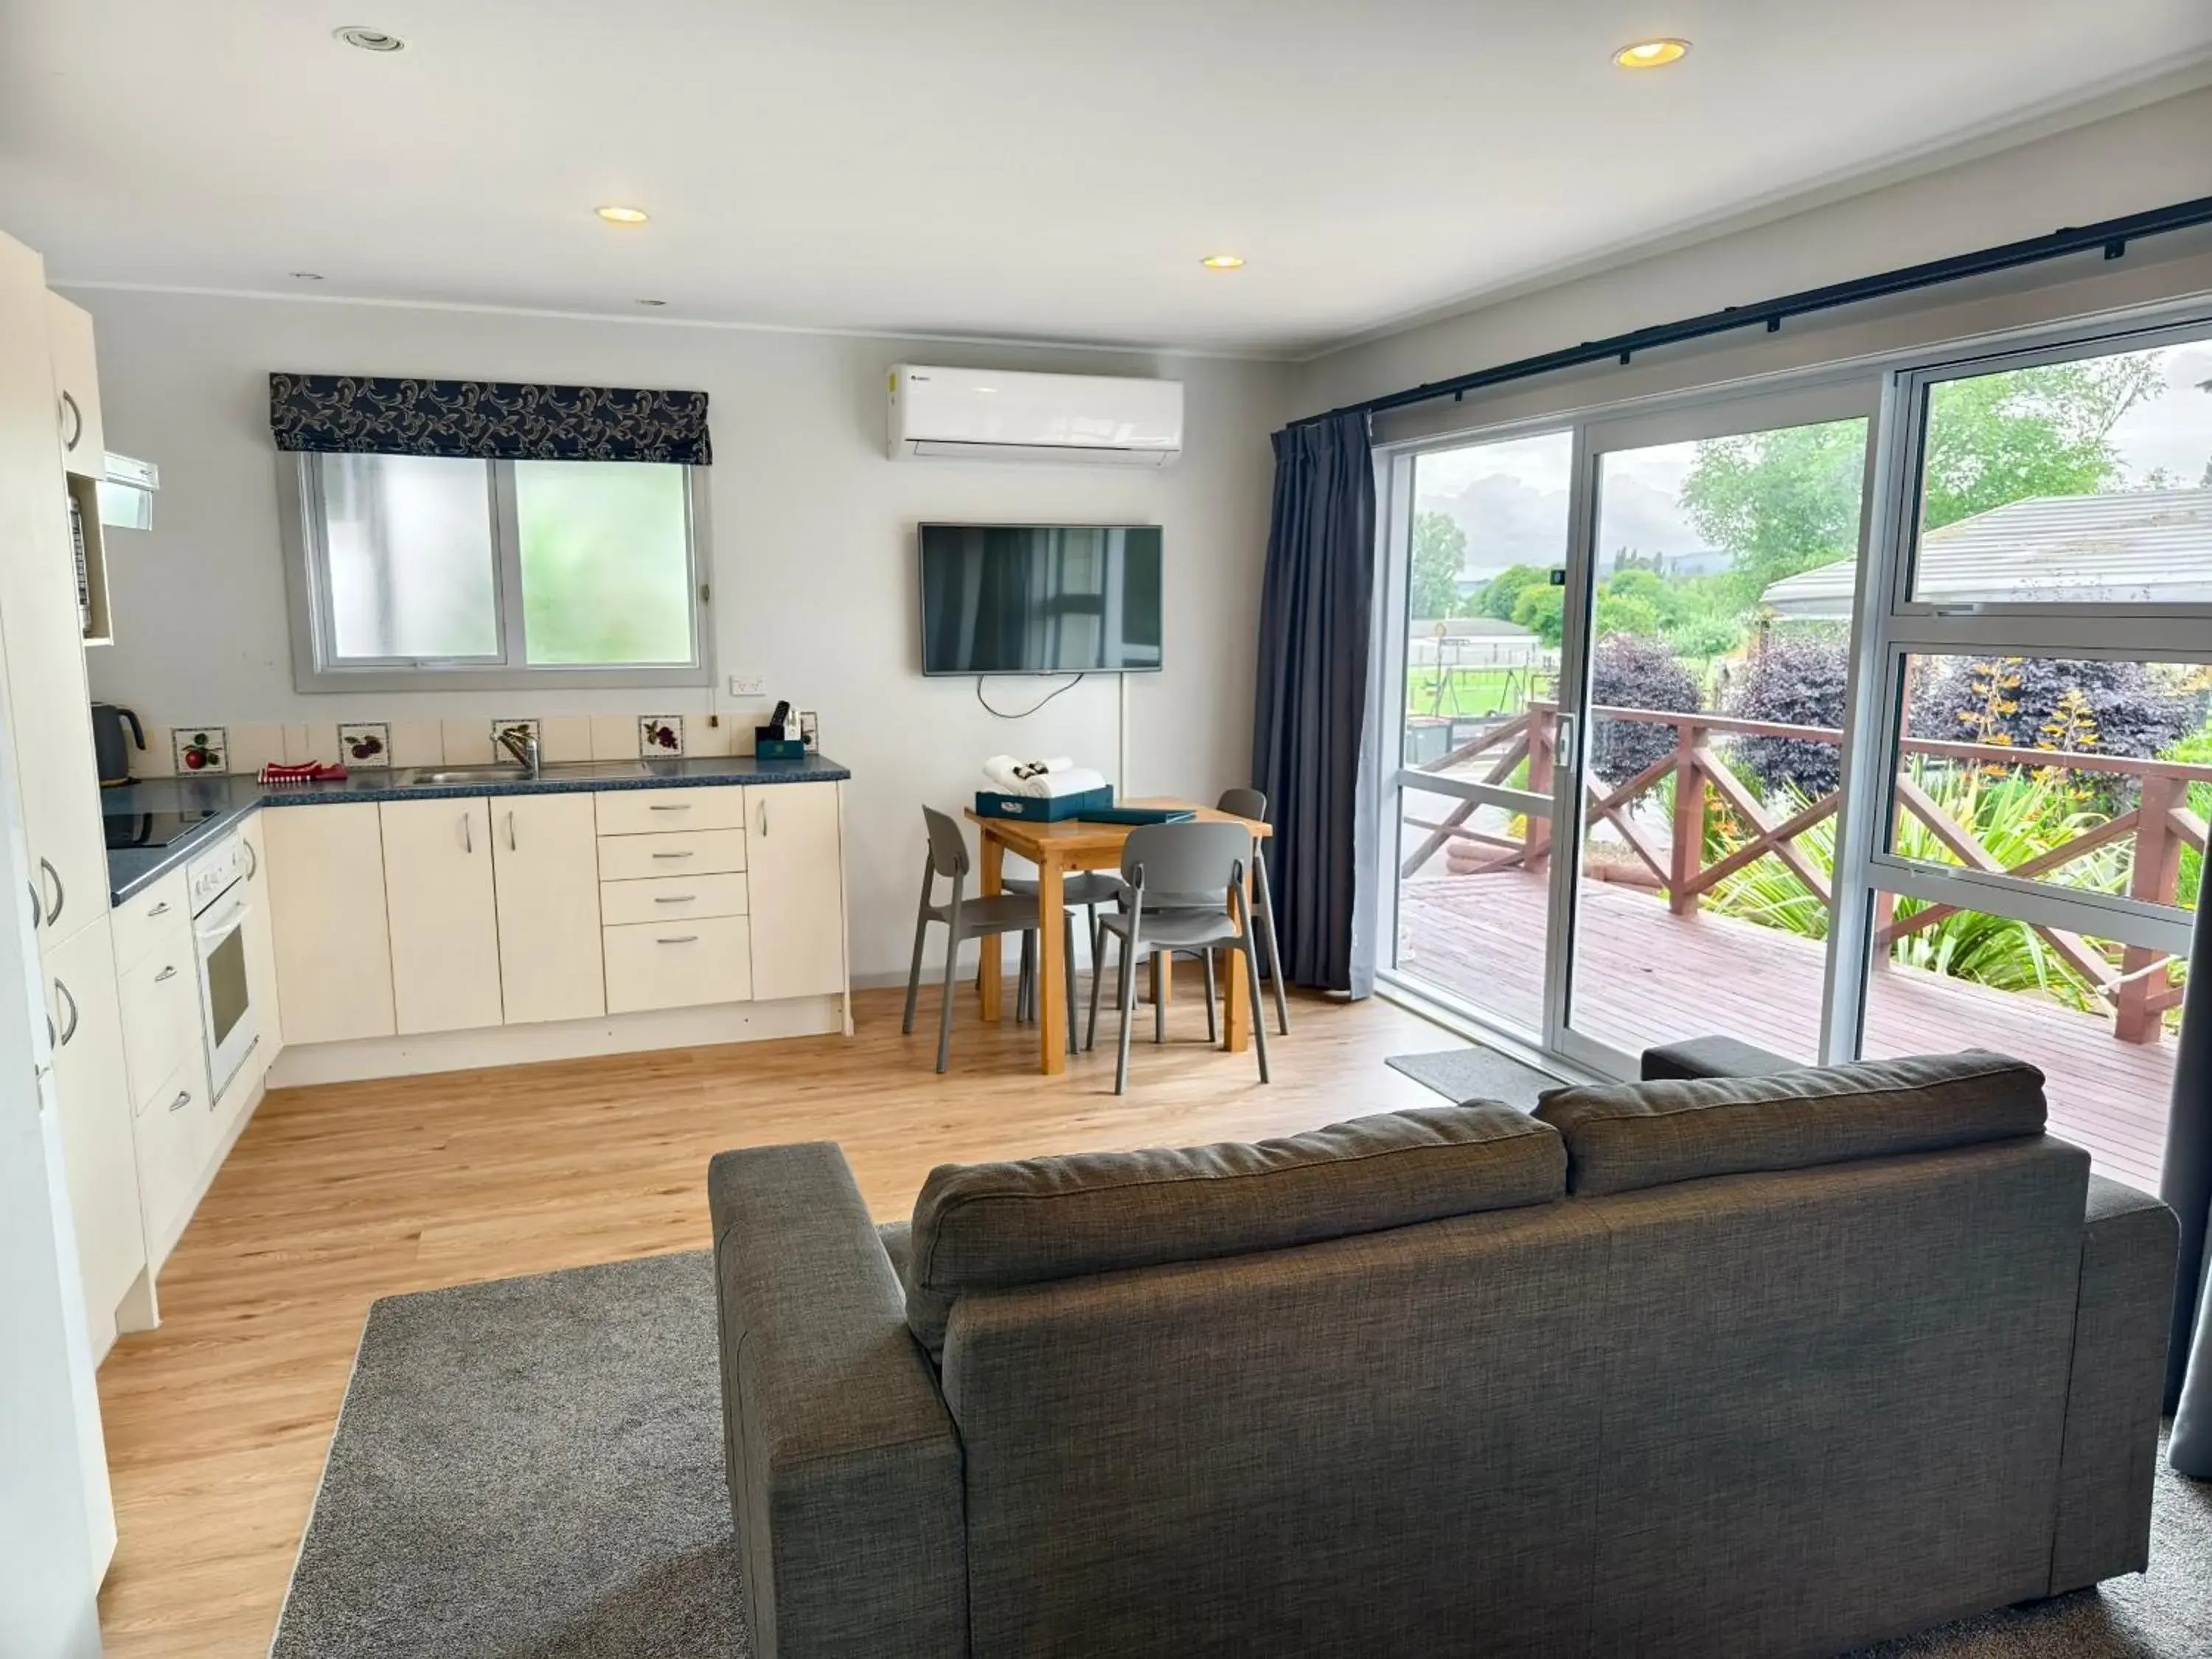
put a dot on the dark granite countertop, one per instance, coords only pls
(132, 869)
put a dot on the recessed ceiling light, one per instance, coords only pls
(652, 302)
(1222, 262)
(1651, 54)
(306, 275)
(622, 215)
(369, 39)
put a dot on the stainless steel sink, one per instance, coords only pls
(408, 776)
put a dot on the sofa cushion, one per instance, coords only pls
(1624, 1136)
(981, 1226)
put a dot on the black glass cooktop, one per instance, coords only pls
(152, 828)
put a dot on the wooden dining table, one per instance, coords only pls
(1060, 850)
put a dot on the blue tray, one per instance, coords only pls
(1036, 809)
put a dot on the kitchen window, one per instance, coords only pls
(412, 570)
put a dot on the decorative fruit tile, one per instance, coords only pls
(366, 743)
(660, 736)
(524, 730)
(199, 750)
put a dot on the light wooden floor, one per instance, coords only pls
(217, 1423)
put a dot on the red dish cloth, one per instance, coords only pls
(306, 772)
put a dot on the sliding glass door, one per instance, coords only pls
(1474, 659)
(1708, 772)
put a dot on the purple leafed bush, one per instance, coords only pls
(1793, 679)
(1629, 671)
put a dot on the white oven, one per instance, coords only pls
(216, 882)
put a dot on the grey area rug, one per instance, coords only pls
(532, 1470)
(1464, 1074)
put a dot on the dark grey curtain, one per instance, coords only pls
(1310, 714)
(2186, 1184)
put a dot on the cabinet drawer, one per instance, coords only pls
(668, 898)
(174, 1136)
(691, 853)
(160, 1019)
(678, 964)
(647, 812)
(160, 917)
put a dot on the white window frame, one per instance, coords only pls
(314, 664)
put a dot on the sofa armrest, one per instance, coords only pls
(1713, 1056)
(2109, 1457)
(844, 1467)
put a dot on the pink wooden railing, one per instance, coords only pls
(2160, 823)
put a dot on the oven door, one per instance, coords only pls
(226, 1003)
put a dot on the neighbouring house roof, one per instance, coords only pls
(2146, 546)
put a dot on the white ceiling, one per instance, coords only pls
(998, 167)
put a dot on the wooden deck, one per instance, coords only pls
(1644, 975)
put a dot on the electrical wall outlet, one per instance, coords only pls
(748, 685)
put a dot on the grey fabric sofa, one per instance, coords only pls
(1771, 1366)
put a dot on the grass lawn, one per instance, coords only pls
(1467, 690)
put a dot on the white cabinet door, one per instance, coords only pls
(77, 387)
(49, 705)
(796, 890)
(445, 925)
(325, 887)
(546, 865)
(261, 949)
(95, 1099)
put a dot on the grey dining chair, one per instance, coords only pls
(1177, 878)
(1086, 890)
(1253, 804)
(965, 918)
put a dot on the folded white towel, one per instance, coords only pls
(1074, 781)
(1044, 768)
(1003, 773)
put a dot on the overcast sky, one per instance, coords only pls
(1512, 497)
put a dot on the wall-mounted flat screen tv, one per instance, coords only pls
(1003, 598)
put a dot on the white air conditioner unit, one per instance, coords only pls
(988, 415)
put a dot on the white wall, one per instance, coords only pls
(813, 566)
(2146, 158)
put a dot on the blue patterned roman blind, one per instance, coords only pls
(487, 420)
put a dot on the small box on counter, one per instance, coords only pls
(770, 743)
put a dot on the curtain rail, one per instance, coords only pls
(2111, 235)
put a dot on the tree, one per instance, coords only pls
(1629, 671)
(2045, 702)
(1795, 679)
(1439, 549)
(1542, 610)
(1996, 439)
(1779, 501)
(1502, 591)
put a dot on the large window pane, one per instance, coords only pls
(2091, 775)
(2084, 483)
(1715, 734)
(1482, 636)
(411, 573)
(1947, 978)
(606, 573)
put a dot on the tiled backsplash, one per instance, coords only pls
(192, 751)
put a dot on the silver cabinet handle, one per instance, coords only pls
(468, 840)
(253, 863)
(671, 855)
(679, 899)
(60, 891)
(169, 972)
(763, 817)
(161, 909)
(77, 422)
(38, 902)
(677, 807)
(184, 1099)
(510, 832)
(681, 938)
(70, 1029)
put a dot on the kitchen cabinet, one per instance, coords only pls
(174, 1131)
(678, 964)
(443, 917)
(161, 1000)
(75, 370)
(546, 871)
(681, 853)
(326, 886)
(93, 1090)
(40, 631)
(796, 882)
(260, 958)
